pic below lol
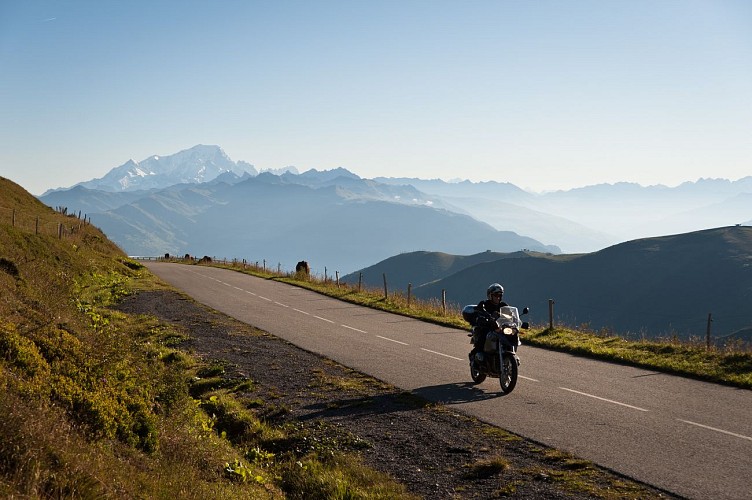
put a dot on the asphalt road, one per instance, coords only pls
(691, 438)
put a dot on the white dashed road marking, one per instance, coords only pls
(603, 399)
(440, 354)
(391, 340)
(742, 436)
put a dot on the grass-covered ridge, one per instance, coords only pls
(731, 365)
(101, 404)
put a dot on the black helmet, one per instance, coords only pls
(494, 288)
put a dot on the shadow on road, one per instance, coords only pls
(399, 401)
(454, 393)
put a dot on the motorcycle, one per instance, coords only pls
(499, 357)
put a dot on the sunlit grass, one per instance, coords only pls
(96, 403)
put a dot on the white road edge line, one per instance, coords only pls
(391, 340)
(440, 354)
(351, 328)
(603, 399)
(323, 319)
(281, 304)
(298, 310)
(742, 436)
(264, 298)
(528, 378)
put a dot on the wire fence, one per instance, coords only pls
(49, 226)
(699, 325)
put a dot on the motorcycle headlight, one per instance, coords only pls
(507, 330)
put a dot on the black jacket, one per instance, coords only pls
(488, 312)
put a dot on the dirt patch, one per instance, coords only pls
(435, 451)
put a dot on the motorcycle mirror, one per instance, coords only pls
(525, 325)
(526, 310)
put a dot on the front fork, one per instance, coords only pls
(506, 352)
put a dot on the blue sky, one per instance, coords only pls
(543, 94)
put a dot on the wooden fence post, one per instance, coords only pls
(13, 219)
(386, 292)
(551, 314)
(336, 274)
(409, 293)
(707, 342)
(36, 227)
(360, 282)
(443, 301)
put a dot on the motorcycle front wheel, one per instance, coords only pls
(508, 378)
(475, 373)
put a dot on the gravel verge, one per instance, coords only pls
(434, 451)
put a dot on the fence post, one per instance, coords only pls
(710, 320)
(409, 293)
(386, 292)
(360, 281)
(551, 314)
(13, 219)
(443, 301)
(36, 227)
(59, 231)
(325, 275)
(336, 274)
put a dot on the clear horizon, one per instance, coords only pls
(544, 95)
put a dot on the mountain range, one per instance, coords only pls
(579, 220)
(593, 217)
(456, 235)
(333, 219)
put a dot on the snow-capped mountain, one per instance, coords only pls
(195, 165)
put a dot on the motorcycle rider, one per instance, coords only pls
(488, 311)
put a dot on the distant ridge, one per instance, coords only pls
(423, 267)
(659, 286)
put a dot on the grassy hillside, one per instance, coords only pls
(95, 403)
(88, 396)
(653, 287)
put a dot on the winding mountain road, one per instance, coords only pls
(691, 438)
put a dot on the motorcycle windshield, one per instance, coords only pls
(508, 315)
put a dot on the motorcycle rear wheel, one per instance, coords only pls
(508, 378)
(475, 373)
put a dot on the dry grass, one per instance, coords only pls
(98, 404)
